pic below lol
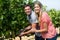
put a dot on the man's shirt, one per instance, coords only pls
(32, 18)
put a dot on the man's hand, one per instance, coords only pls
(28, 32)
(22, 34)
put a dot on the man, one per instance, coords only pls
(32, 18)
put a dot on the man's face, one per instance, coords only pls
(27, 10)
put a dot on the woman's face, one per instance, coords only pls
(37, 8)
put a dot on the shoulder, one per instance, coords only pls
(33, 15)
(44, 14)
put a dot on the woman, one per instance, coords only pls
(47, 29)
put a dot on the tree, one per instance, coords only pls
(12, 17)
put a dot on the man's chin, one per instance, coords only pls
(36, 12)
(28, 14)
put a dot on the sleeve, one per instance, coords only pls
(45, 17)
(34, 19)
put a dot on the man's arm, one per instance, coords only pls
(30, 31)
(28, 28)
(33, 22)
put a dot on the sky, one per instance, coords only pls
(51, 4)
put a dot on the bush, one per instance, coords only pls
(12, 17)
(55, 16)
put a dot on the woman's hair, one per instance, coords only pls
(39, 3)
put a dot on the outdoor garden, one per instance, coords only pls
(13, 17)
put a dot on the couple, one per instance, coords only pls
(41, 23)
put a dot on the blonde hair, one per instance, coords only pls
(39, 3)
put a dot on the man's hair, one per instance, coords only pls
(27, 5)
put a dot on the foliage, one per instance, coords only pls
(12, 17)
(55, 16)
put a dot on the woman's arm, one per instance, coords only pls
(45, 29)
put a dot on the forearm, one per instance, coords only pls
(27, 28)
(45, 28)
(34, 26)
(41, 31)
(27, 32)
